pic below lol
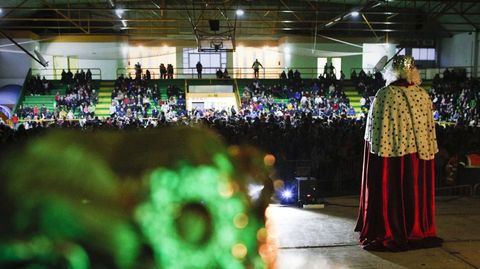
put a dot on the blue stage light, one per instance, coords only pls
(287, 194)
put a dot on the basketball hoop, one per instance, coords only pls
(216, 44)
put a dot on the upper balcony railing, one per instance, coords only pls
(210, 73)
(429, 73)
(56, 74)
(239, 72)
(274, 72)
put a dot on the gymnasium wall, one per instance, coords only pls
(305, 54)
(107, 56)
(14, 64)
(457, 50)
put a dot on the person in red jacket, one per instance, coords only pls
(14, 120)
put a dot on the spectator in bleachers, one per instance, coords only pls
(225, 74)
(199, 67)
(148, 76)
(63, 79)
(256, 67)
(170, 71)
(219, 73)
(138, 71)
(353, 76)
(290, 74)
(163, 71)
(88, 75)
(297, 76)
(342, 76)
(69, 77)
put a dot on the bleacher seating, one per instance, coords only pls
(102, 108)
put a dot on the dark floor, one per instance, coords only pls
(324, 238)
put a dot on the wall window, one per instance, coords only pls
(321, 66)
(337, 63)
(401, 52)
(211, 61)
(269, 57)
(423, 54)
(150, 58)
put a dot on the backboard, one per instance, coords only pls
(215, 43)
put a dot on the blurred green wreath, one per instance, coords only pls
(197, 218)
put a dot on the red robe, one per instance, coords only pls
(397, 202)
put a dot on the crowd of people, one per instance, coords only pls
(330, 144)
(79, 100)
(292, 113)
(456, 98)
(37, 86)
(80, 77)
(320, 98)
(165, 72)
(136, 99)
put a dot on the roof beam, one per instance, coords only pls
(293, 12)
(12, 10)
(474, 25)
(432, 20)
(324, 10)
(66, 17)
(299, 28)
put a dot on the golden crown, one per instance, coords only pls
(403, 62)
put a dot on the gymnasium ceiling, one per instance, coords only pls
(182, 19)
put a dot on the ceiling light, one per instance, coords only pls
(240, 12)
(119, 12)
(124, 22)
(355, 14)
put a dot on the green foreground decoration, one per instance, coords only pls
(83, 200)
(195, 219)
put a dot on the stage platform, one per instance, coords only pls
(324, 238)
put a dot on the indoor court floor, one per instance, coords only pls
(324, 238)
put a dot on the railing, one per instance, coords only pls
(476, 189)
(240, 72)
(22, 92)
(429, 73)
(459, 190)
(56, 74)
(274, 72)
(210, 73)
(52, 121)
(237, 94)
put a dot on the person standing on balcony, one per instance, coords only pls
(199, 69)
(163, 71)
(170, 71)
(256, 67)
